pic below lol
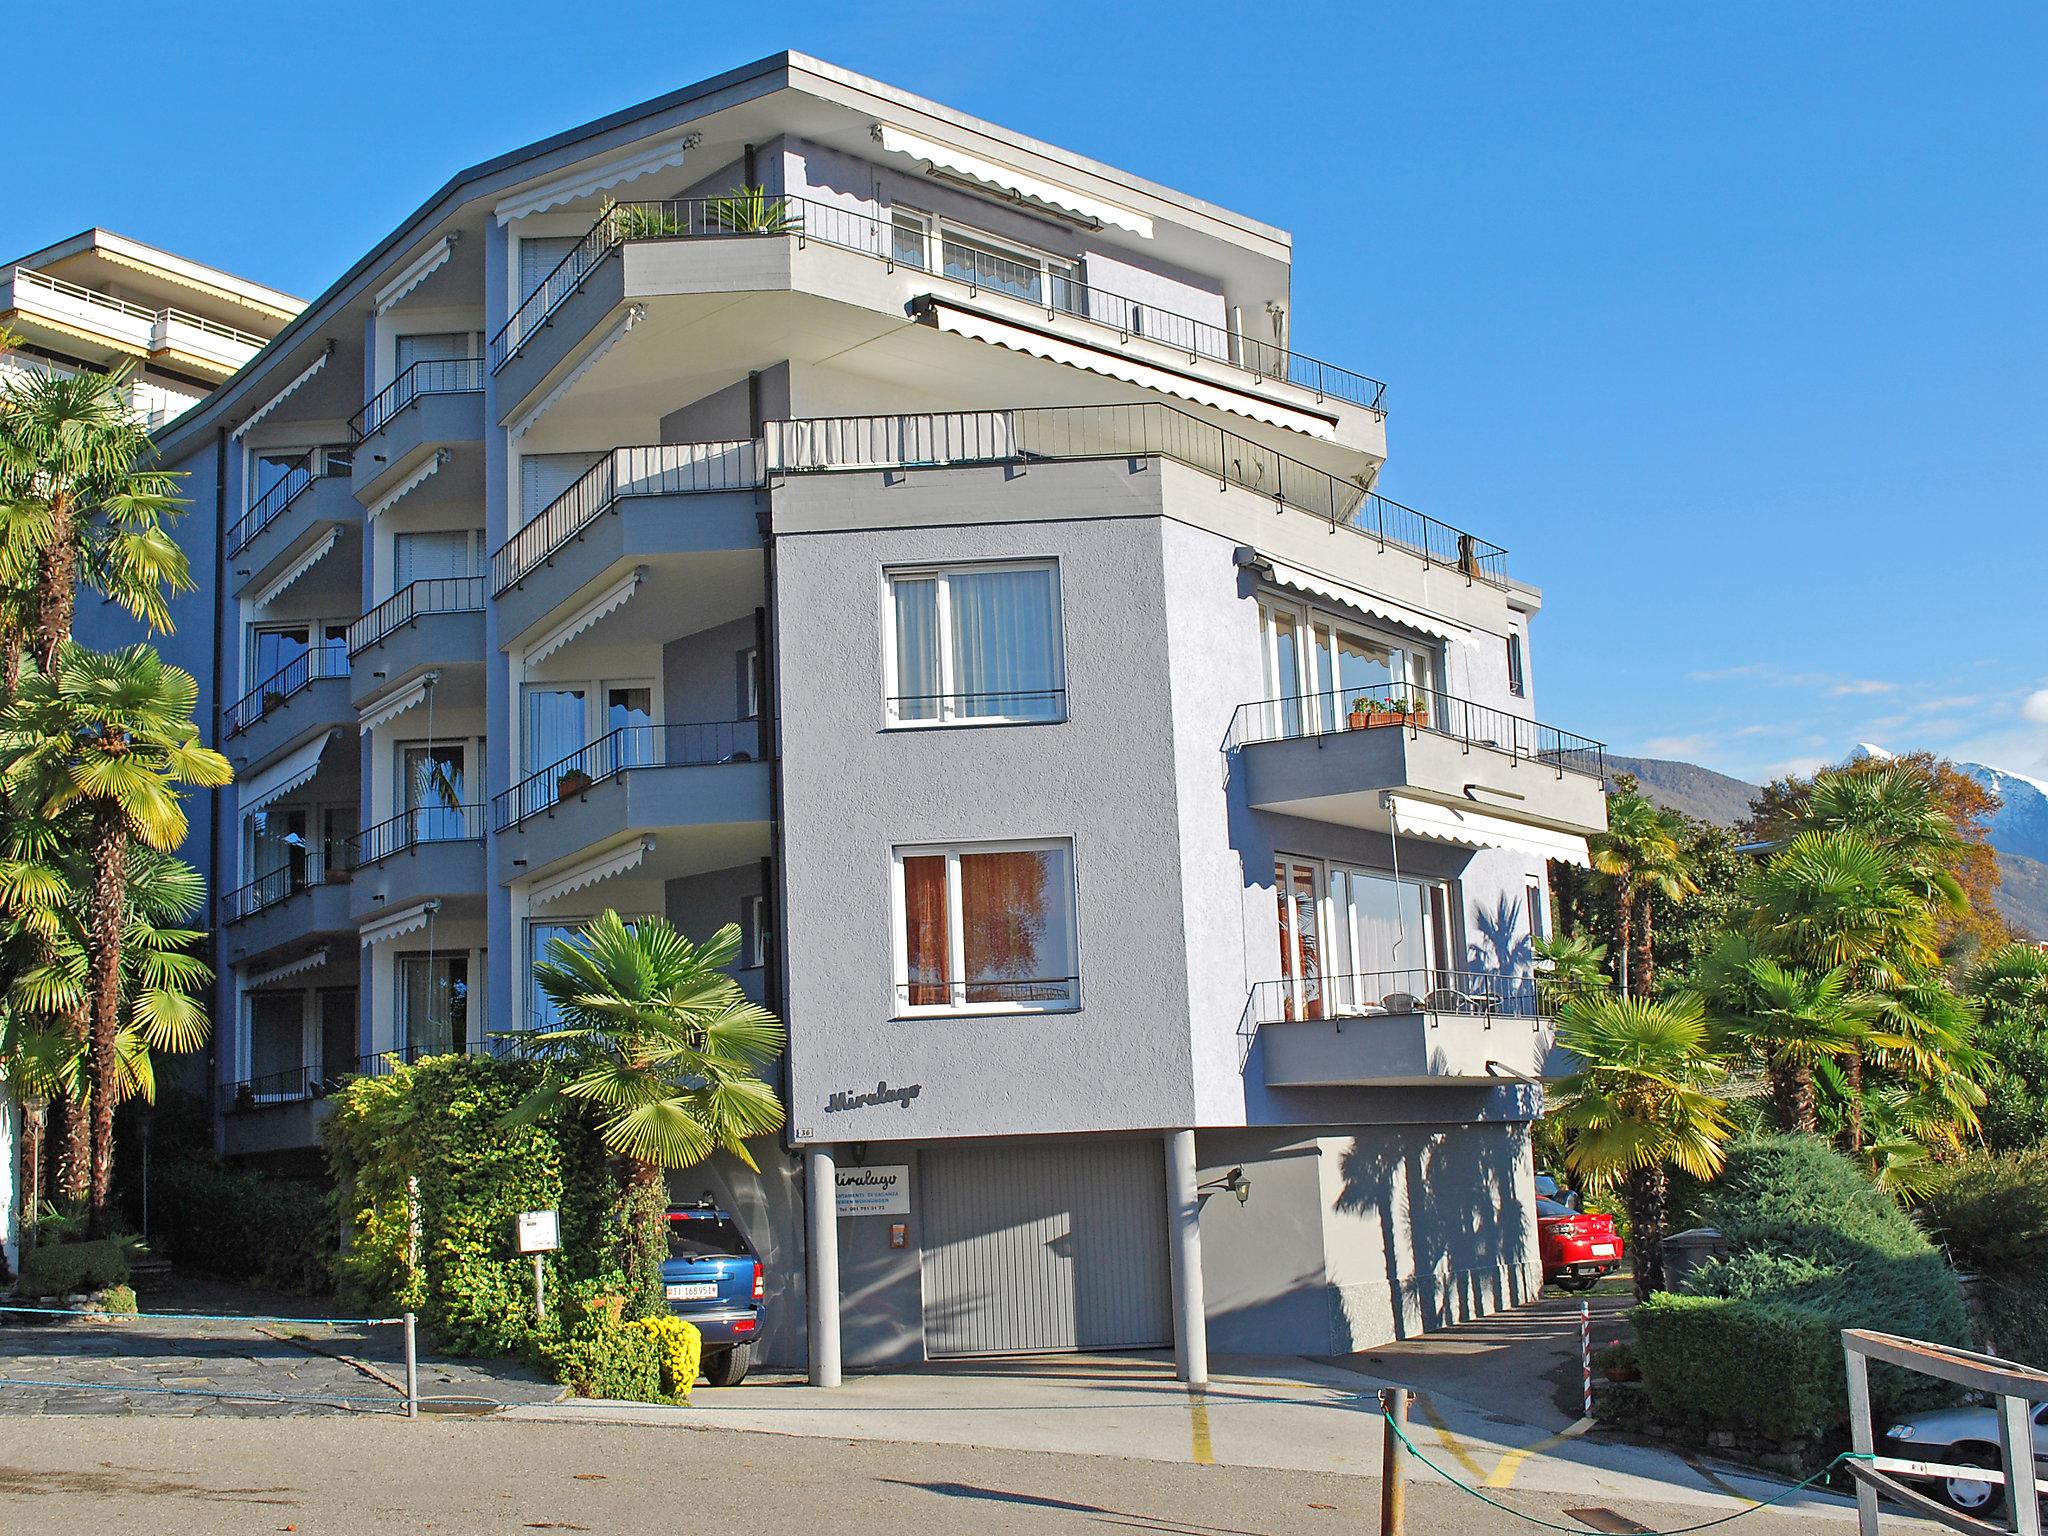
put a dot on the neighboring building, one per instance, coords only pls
(93, 303)
(963, 587)
(99, 300)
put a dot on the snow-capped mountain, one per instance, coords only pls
(2021, 825)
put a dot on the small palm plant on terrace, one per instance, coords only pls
(751, 211)
(656, 1035)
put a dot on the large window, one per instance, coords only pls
(1352, 938)
(976, 643)
(431, 778)
(1317, 666)
(277, 1044)
(434, 1004)
(985, 927)
(281, 655)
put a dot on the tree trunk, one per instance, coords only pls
(1645, 963)
(106, 917)
(74, 1150)
(1796, 1112)
(1624, 921)
(10, 661)
(643, 1235)
(57, 586)
(1645, 1192)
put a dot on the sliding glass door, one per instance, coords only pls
(1388, 935)
(1298, 885)
(1317, 666)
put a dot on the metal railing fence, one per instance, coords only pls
(1417, 709)
(409, 829)
(329, 659)
(433, 594)
(429, 376)
(685, 744)
(314, 464)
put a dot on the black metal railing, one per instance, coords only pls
(314, 1080)
(429, 376)
(313, 465)
(688, 744)
(326, 660)
(953, 438)
(1010, 704)
(1052, 285)
(990, 992)
(434, 594)
(1359, 998)
(309, 870)
(1417, 709)
(663, 469)
(409, 829)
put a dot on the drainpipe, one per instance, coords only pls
(224, 986)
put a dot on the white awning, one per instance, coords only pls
(1476, 829)
(423, 266)
(612, 338)
(289, 969)
(282, 777)
(410, 920)
(590, 179)
(278, 399)
(605, 865)
(296, 569)
(1332, 591)
(395, 703)
(409, 484)
(1010, 182)
(612, 598)
(948, 316)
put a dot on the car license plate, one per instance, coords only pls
(698, 1292)
(1600, 1251)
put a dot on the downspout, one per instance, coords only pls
(223, 987)
(775, 886)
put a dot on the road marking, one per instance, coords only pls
(1198, 1425)
(1450, 1441)
(1511, 1463)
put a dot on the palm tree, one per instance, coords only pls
(110, 737)
(1644, 1100)
(78, 503)
(1567, 966)
(1794, 1022)
(657, 1036)
(1897, 806)
(1643, 853)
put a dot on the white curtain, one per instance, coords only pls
(917, 649)
(1005, 645)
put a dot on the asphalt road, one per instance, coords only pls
(60, 1475)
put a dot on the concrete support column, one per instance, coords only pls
(821, 1202)
(1184, 1247)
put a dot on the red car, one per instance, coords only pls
(1578, 1247)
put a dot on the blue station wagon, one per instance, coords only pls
(712, 1279)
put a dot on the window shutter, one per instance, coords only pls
(544, 476)
(538, 257)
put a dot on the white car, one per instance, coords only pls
(1961, 1436)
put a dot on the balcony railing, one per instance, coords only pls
(156, 321)
(634, 746)
(409, 829)
(665, 469)
(429, 376)
(435, 594)
(1049, 287)
(329, 659)
(1043, 994)
(1393, 707)
(1355, 997)
(1011, 706)
(313, 868)
(294, 1085)
(933, 439)
(314, 464)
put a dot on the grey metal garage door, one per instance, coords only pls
(1031, 1247)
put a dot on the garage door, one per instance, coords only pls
(1045, 1247)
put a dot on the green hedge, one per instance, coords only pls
(617, 1360)
(1766, 1366)
(64, 1269)
(1992, 1212)
(445, 1121)
(240, 1225)
(1814, 1247)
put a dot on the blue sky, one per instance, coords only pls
(1729, 321)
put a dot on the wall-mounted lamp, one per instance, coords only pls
(1232, 1183)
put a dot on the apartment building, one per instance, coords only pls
(946, 566)
(99, 301)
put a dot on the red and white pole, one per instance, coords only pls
(1586, 1352)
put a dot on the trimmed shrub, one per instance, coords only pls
(1814, 1247)
(1992, 1212)
(614, 1360)
(682, 1353)
(241, 1225)
(1761, 1365)
(66, 1269)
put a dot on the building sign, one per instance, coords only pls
(882, 1094)
(883, 1191)
(539, 1232)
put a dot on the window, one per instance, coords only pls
(629, 711)
(754, 932)
(433, 1004)
(279, 853)
(975, 259)
(985, 927)
(437, 346)
(1536, 912)
(976, 643)
(539, 255)
(337, 1033)
(280, 654)
(430, 777)
(1351, 939)
(1517, 682)
(1316, 665)
(436, 556)
(909, 239)
(277, 1044)
(545, 476)
(748, 669)
(540, 1013)
(270, 469)
(556, 722)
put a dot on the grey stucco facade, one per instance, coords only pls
(650, 517)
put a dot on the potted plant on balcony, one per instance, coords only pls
(272, 699)
(574, 782)
(1408, 709)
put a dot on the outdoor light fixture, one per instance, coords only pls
(1232, 1183)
